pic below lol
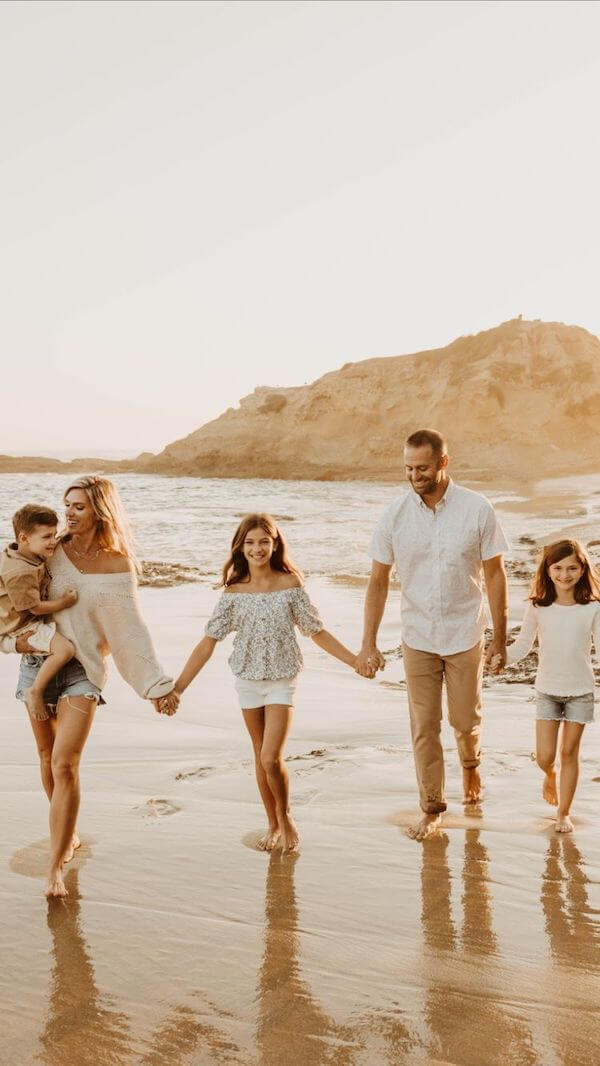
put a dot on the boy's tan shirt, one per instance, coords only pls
(23, 583)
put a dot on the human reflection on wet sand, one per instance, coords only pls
(82, 1026)
(462, 1032)
(573, 929)
(572, 926)
(292, 1027)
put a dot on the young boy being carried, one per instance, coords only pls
(24, 607)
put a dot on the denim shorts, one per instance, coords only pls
(565, 708)
(253, 694)
(71, 680)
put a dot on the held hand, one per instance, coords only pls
(368, 662)
(495, 656)
(22, 644)
(167, 704)
(496, 664)
(70, 597)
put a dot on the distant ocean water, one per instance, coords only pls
(190, 521)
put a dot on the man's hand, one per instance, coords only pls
(495, 656)
(369, 661)
(22, 644)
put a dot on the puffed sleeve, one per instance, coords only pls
(305, 614)
(221, 622)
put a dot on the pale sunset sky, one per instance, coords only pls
(198, 198)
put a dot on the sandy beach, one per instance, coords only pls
(182, 944)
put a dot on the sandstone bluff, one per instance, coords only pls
(522, 399)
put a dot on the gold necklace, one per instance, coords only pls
(84, 556)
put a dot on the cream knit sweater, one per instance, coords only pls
(106, 620)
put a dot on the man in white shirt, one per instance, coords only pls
(440, 537)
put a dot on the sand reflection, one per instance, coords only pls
(466, 1021)
(292, 1028)
(571, 923)
(82, 1025)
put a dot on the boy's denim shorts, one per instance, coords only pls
(565, 708)
(71, 680)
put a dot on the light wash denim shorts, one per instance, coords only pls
(565, 708)
(253, 694)
(71, 680)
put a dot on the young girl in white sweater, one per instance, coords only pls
(564, 615)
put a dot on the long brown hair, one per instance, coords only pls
(112, 524)
(236, 568)
(543, 592)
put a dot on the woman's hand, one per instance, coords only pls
(167, 704)
(22, 644)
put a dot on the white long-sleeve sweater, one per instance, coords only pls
(565, 644)
(106, 620)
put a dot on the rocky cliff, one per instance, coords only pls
(521, 399)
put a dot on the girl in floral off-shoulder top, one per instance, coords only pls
(262, 602)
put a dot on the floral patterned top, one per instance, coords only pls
(265, 646)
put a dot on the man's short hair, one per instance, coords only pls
(431, 437)
(32, 515)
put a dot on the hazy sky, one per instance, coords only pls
(198, 198)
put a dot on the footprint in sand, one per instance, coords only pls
(314, 754)
(302, 799)
(191, 775)
(158, 808)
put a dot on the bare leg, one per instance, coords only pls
(255, 724)
(74, 720)
(61, 650)
(278, 719)
(44, 733)
(546, 739)
(569, 773)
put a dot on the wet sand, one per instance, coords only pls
(182, 944)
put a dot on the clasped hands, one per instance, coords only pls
(368, 662)
(167, 704)
(495, 656)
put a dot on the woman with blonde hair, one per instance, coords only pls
(96, 557)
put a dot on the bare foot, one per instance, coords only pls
(72, 848)
(34, 702)
(289, 834)
(549, 789)
(426, 825)
(472, 787)
(55, 885)
(563, 824)
(270, 839)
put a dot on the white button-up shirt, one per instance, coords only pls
(438, 555)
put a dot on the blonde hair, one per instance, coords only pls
(113, 528)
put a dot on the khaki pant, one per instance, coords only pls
(425, 672)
